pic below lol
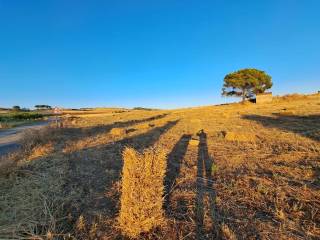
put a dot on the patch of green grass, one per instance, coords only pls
(13, 119)
(214, 169)
(20, 116)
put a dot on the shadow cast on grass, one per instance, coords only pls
(306, 126)
(74, 133)
(93, 171)
(309, 164)
(204, 185)
(126, 123)
(87, 176)
(69, 133)
(174, 161)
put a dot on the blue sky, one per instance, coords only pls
(159, 53)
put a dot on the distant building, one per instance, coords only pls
(264, 97)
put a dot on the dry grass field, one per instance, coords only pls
(238, 171)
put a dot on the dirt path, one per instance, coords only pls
(9, 137)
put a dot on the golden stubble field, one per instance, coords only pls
(238, 171)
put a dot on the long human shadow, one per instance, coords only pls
(174, 161)
(204, 185)
(306, 126)
(91, 176)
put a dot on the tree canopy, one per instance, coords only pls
(43, 107)
(246, 83)
(16, 108)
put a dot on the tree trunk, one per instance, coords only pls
(243, 95)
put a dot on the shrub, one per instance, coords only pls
(16, 108)
(20, 116)
(142, 191)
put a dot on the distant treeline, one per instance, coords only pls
(143, 108)
(43, 107)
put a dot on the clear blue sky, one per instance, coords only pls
(153, 53)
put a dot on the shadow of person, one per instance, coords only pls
(205, 186)
(174, 161)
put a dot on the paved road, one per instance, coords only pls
(9, 137)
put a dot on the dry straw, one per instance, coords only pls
(142, 191)
(118, 131)
(227, 233)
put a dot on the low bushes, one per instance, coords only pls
(20, 116)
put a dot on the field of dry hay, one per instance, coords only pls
(239, 171)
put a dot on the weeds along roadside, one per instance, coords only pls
(31, 199)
